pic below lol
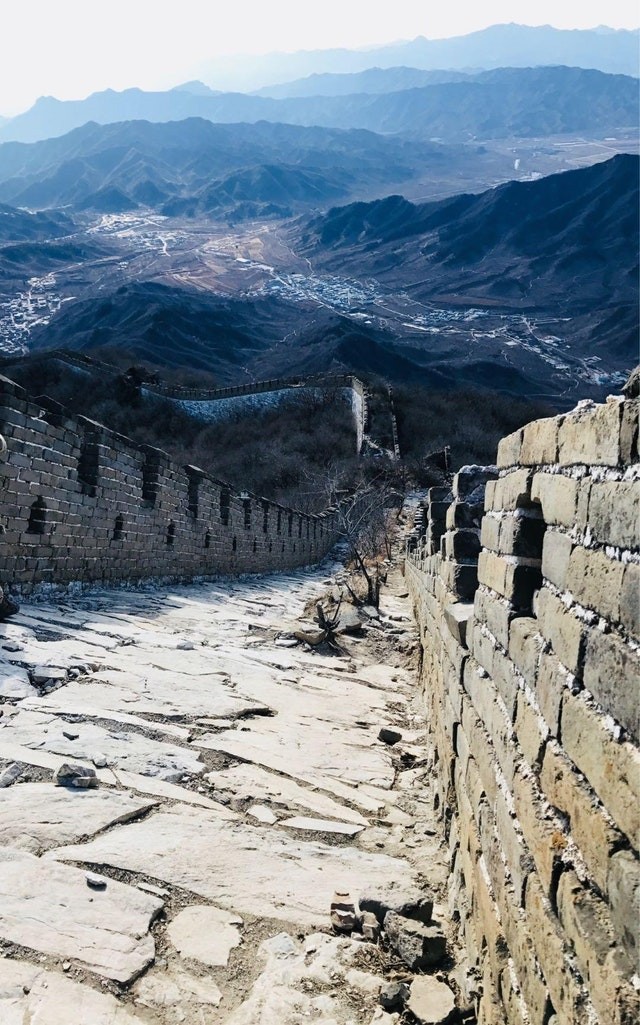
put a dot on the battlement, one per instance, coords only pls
(82, 503)
(526, 583)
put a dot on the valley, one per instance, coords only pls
(258, 261)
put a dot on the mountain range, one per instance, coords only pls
(567, 242)
(562, 250)
(196, 167)
(505, 102)
(497, 46)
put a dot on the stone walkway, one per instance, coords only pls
(240, 782)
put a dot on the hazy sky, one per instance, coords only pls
(69, 48)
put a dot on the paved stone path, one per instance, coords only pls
(240, 782)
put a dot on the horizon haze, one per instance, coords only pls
(73, 54)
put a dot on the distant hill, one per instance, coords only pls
(373, 80)
(234, 339)
(170, 326)
(568, 243)
(508, 101)
(510, 45)
(22, 226)
(194, 166)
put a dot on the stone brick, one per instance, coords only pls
(457, 616)
(611, 767)
(630, 600)
(509, 450)
(525, 647)
(558, 497)
(623, 889)
(591, 436)
(556, 552)
(490, 533)
(551, 684)
(462, 545)
(595, 580)
(461, 514)
(545, 839)
(563, 629)
(469, 479)
(612, 673)
(589, 824)
(496, 614)
(525, 963)
(506, 683)
(629, 432)
(614, 512)
(540, 442)
(522, 536)
(588, 928)
(511, 492)
(460, 579)
(531, 733)
(567, 995)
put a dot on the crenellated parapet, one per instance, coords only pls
(79, 502)
(528, 603)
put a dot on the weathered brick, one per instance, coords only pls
(525, 963)
(545, 839)
(614, 512)
(525, 647)
(595, 580)
(589, 824)
(563, 629)
(490, 533)
(611, 767)
(558, 497)
(629, 432)
(551, 684)
(469, 479)
(591, 436)
(623, 890)
(556, 552)
(522, 536)
(540, 442)
(513, 491)
(586, 923)
(630, 600)
(509, 450)
(612, 673)
(567, 995)
(531, 733)
(462, 545)
(496, 614)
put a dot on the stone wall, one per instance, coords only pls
(81, 503)
(528, 604)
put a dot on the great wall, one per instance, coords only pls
(525, 584)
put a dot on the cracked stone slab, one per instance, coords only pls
(34, 995)
(125, 748)
(253, 781)
(15, 683)
(205, 934)
(322, 826)
(12, 752)
(237, 866)
(172, 791)
(36, 816)
(177, 994)
(49, 907)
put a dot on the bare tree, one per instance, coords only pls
(365, 522)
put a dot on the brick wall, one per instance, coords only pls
(528, 603)
(81, 503)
